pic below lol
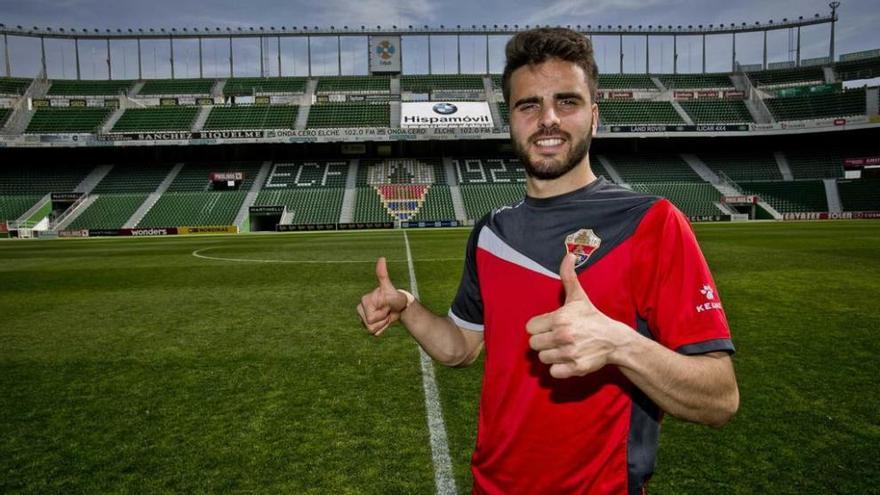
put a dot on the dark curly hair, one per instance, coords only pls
(541, 44)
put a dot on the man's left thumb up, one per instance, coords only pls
(573, 290)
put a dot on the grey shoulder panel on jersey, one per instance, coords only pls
(537, 228)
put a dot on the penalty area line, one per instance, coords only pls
(443, 478)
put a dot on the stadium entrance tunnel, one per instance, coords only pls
(266, 218)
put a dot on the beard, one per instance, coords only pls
(550, 168)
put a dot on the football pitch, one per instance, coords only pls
(237, 364)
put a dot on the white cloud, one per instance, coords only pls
(563, 11)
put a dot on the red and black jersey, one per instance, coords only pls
(640, 264)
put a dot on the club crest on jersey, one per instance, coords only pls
(582, 244)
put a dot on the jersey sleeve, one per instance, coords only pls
(676, 294)
(467, 307)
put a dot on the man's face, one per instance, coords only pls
(552, 118)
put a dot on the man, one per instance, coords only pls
(595, 304)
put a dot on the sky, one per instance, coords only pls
(856, 30)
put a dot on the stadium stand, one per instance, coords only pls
(626, 81)
(708, 111)
(696, 81)
(858, 69)
(109, 211)
(255, 85)
(354, 85)
(401, 171)
(66, 87)
(156, 119)
(318, 205)
(349, 115)
(41, 179)
(480, 199)
(427, 84)
(504, 110)
(194, 209)
(815, 164)
(22, 186)
(312, 191)
(369, 208)
(860, 195)
(637, 112)
(153, 87)
(437, 205)
(488, 170)
(787, 197)
(307, 174)
(694, 199)
(845, 104)
(646, 168)
(252, 117)
(134, 177)
(13, 85)
(12, 207)
(787, 77)
(744, 166)
(4, 114)
(197, 176)
(61, 120)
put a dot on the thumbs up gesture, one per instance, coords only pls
(381, 307)
(577, 338)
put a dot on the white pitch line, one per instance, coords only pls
(198, 254)
(443, 478)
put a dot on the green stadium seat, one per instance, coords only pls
(349, 115)
(257, 85)
(88, 88)
(815, 164)
(443, 82)
(13, 86)
(860, 195)
(707, 111)
(109, 211)
(133, 178)
(790, 197)
(479, 200)
(696, 81)
(157, 87)
(195, 177)
(858, 69)
(312, 205)
(400, 171)
(176, 209)
(626, 81)
(252, 117)
(633, 112)
(68, 120)
(14, 206)
(354, 85)
(156, 119)
(693, 199)
(845, 104)
(788, 77)
(744, 166)
(647, 168)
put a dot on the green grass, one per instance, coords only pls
(129, 365)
